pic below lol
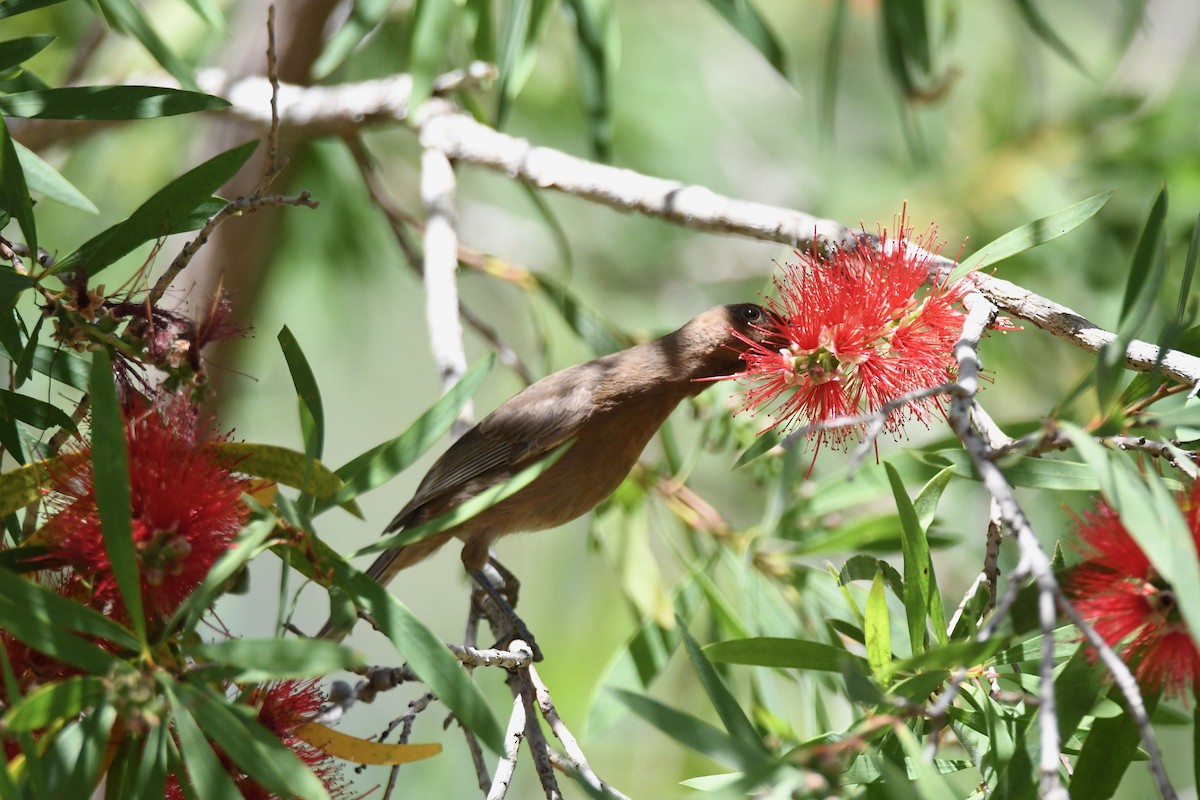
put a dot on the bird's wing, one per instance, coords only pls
(525, 427)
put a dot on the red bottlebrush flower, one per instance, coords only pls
(854, 335)
(1119, 592)
(282, 707)
(186, 510)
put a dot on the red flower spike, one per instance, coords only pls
(854, 335)
(1132, 608)
(186, 510)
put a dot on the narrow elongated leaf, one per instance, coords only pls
(362, 751)
(250, 543)
(129, 18)
(432, 21)
(35, 412)
(594, 30)
(41, 618)
(744, 18)
(20, 487)
(589, 326)
(1145, 273)
(380, 464)
(477, 504)
(862, 567)
(64, 700)
(45, 179)
(14, 52)
(1107, 752)
(424, 652)
(107, 102)
(1150, 514)
(518, 52)
(160, 214)
(732, 717)
(693, 732)
(74, 758)
(10, 8)
(778, 652)
(312, 411)
(269, 659)
(284, 466)
(917, 565)
(25, 361)
(249, 745)
(1035, 233)
(110, 469)
(1189, 270)
(364, 17)
(14, 194)
(1038, 24)
(1039, 473)
(203, 770)
(878, 631)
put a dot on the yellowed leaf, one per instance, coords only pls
(362, 751)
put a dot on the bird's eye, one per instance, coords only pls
(751, 314)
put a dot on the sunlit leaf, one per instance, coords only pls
(362, 751)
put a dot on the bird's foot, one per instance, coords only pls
(499, 612)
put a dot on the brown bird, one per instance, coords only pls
(610, 406)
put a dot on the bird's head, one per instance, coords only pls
(715, 341)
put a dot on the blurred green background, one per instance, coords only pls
(1001, 130)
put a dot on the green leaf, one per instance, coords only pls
(63, 700)
(159, 215)
(784, 653)
(110, 470)
(731, 714)
(464, 511)
(954, 654)
(383, 462)
(35, 412)
(432, 21)
(831, 67)
(878, 632)
(107, 102)
(10, 8)
(1189, 270)
(364, 17)
(477, 27)
(862, 567)
(250, 543)
(425, 653)
(1107, 751)
(14, 194)
(865, 769)
(252, 747)
(312, 411)
(45, 179)
(75, 756)
(1152, 517)
(744, 18)
(592, 329)
(1038, 473)
(1038, 24)
(929, 782)
(595, 30)
(284, 466)
(20, 487)
(906, 42)
(518, 53)
(12, 283)
(25, 360)
(128, 18)
(693, 732)
(261, 660)
(762, 443)
(14, 52)
(917, 565)
(1145, 274)
(1035, 233)
(201, 767)
(41, 618)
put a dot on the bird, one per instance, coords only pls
(610, 407)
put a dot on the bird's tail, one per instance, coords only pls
(384, 568)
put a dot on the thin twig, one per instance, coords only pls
(505, 767)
